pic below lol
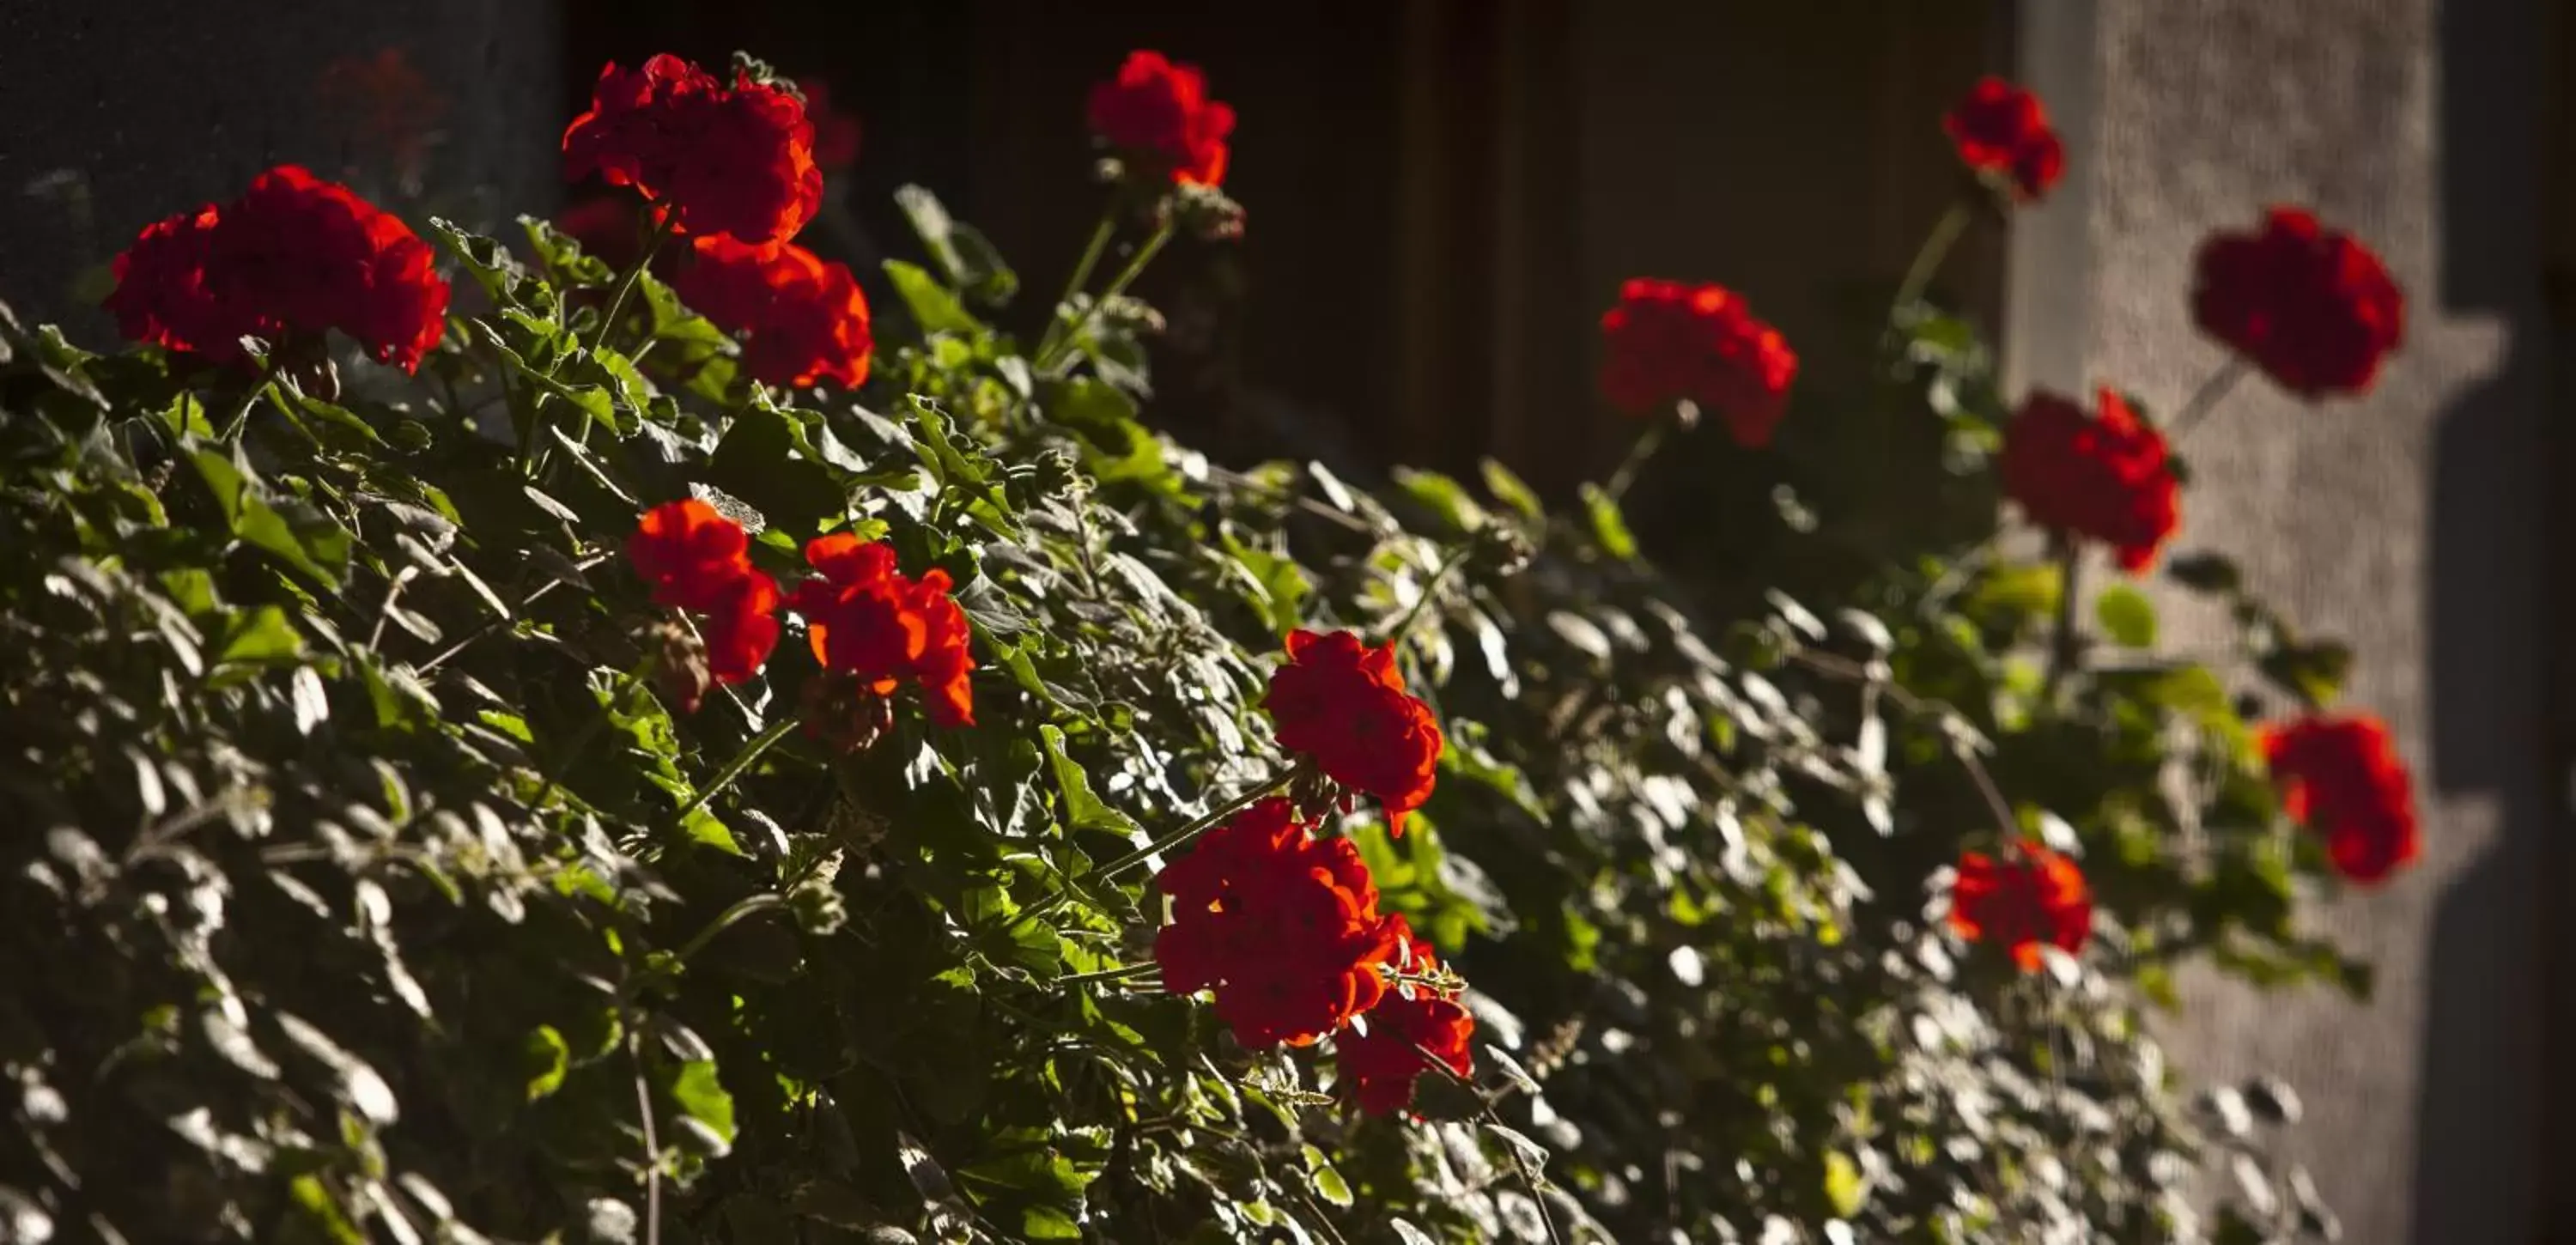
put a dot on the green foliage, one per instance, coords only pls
(360, 891)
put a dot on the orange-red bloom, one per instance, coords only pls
(1158, 115)
(294, 257)
(2105, 477)
(1282, 925)
(803, 319)
(1382, 1063)
(1666, 342)
(2003, 133)
(867, 619)
(2342, 779)
(698, 560)
(1343, 704)
(742, 628)
(2309, 305)
(736, 161)
(691, 554)
(2030, 899)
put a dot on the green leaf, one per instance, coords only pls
(2017, 593)
(1083, 809)
(543, 1059)
(1443, 496)
(1843, 1188)
(2314, 670)
(2126, 616)
(320, 1216)
(255, 523)
(965, 257)
(700, 1096)
(262, 634)
(934, 305)
(1511, 490)
(2205, 572)
(1609, 526)
(758, 462)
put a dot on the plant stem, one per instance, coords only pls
(662, 232)
(733, 769)
(1644, 448)
(1117, 286)
(1091, 253)
(589, 731)
(652, 1144)
(2061, 641)
(1404, 626)
(1927, 261)
(1190, 831)
(1129, 972)
(1166, 843)
(730, 917)
(239, 421)
(2205, 399)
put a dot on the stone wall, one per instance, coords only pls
(2411, 523)
(121, 112)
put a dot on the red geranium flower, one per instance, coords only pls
(2105, 477)
(1284, 927)
(1382, 1063)
(2030, 899)
(804, 319)
(742, 628)
(2003, 133)
(1343, 703)
(293, 258)
(698, 560)
(691, 554)
(2309, 305)
(865, 618)
(161, 295)
(836, 133)
(737, 161)
(1666, 342)
(2341, 778)
(1158, 114)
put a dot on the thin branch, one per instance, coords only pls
(652, 1143)
(733, 769)
(2205, 399)
(1166, 843)
(2062, 639)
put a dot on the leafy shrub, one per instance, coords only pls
(370, 879)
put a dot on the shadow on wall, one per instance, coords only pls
(2476, 1124)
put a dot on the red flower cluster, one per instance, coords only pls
(804, 319)
(2030, 899)
(2003, 133)
(1158, 115)
(867, 619)
(2105, 477)
(2341, 778)
(1666, 342)
(1343, 703)
(2309, 305)
(735, 160)
(1382, 1055)
(294, 257)
(836, 133)
(698, 560)
(1282, 925)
